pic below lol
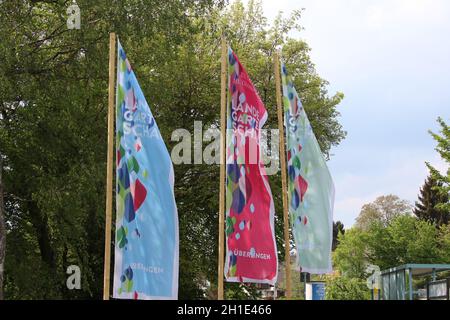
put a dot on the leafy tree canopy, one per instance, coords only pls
(383, 210)
(442, 179)
(406, 239)
(429, 206)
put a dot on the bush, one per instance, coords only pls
(344, 288)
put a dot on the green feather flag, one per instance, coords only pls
(310, 186)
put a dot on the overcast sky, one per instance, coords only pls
(391, 59)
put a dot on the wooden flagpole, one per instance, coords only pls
(109, 165)
(223, 101)
(287, 258)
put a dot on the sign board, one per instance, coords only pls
(438, 290)
(315, 291)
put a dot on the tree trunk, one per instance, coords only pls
(2, 232)
(40, 223)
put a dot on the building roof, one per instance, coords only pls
(419, 269)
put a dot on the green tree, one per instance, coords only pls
(383, 210)
(444, 242)
(53, 102)
(53, 130)
(405, 239)
(2, 230)
(443, 180)
(344, 288)
(338, 229)
(429, 199)
(351, 256)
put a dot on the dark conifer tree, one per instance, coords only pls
(338, 227)
(429, 198)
